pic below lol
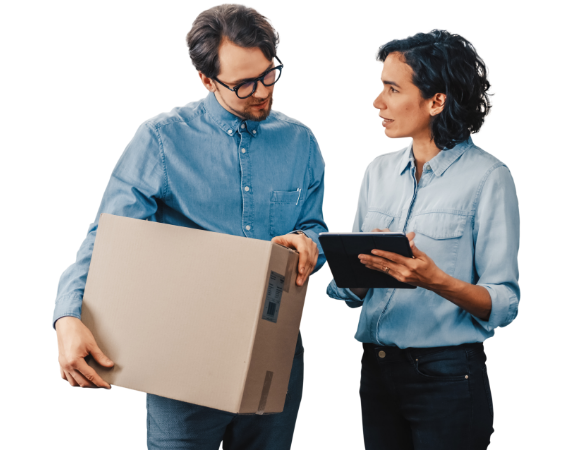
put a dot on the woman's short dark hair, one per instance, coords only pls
(243, 26)
(448, 64)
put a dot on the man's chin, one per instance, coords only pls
(258, 115)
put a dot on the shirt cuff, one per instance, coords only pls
(504, 307)
(67, 306)
(352, 300)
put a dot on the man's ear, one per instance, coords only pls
(207, 82)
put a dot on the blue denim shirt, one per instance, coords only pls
(464, 212)
(200, 166)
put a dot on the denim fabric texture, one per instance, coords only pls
(426, 398)
(464, 211)
(202, 167)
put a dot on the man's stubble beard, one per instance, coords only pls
(263, 114)
(253, 117)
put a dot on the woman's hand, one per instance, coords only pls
(420, 270)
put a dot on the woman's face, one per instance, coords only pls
(404, 111)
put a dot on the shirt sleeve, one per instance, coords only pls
(346, 294)
(137, 181)
(496, 234)
(311, 220)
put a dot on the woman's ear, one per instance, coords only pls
(437, 105)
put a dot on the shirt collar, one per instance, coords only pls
(228, 122)
(440, 162)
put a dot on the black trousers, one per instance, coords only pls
(426, 398)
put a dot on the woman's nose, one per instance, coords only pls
(378, 103)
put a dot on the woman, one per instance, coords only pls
(424, 383)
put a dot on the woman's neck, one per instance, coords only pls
(424, 149)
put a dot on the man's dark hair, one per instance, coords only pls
(243, 26)
(448, 64)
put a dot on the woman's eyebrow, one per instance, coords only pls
(392, 83)
(247, 79)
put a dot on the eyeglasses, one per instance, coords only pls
(248, 87)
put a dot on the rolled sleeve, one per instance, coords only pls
(136, 182)
(352, 300)
(496, 237)
(311, 220)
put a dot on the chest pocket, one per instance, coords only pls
(284, 211)
(376, 219)
(440, 225)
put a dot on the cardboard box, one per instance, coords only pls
(202, 317)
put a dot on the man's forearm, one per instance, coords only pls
(470, 297)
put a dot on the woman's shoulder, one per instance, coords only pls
(480, 160)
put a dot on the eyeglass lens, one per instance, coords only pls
(246, 89)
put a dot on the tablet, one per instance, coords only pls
(342, 251)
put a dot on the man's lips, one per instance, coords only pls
(261, 105)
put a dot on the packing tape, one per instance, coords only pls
(290, 268)
(265, 393)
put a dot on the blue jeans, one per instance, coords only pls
(426, 398)
(172, 424)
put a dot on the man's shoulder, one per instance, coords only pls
(180, 114)
(278, 120)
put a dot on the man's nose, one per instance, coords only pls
(262, 91)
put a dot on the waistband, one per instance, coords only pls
(401, 354)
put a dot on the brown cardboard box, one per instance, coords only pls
(202, 317)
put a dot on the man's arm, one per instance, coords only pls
(311, 220)
(136, 182)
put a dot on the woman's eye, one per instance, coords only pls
(393, 89)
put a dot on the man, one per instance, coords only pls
(226, 164)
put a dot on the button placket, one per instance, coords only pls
(246, 186)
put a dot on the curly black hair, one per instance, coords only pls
(243, 26)
(447, 63)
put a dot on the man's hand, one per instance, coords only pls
(75, 342)
(308, 253)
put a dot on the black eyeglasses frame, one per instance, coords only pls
(254, 81)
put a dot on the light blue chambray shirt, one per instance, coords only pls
(464, 211)
(200, 166)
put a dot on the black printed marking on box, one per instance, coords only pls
(265, 393)
(273, 297)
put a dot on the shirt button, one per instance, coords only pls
(382, 354)
(248, 227)
(243, 150)
(242, 125)
(229, 131)
(246, 188)
(254, 131)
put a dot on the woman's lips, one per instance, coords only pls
(386, 122)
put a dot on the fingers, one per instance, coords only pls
(307, 260)
(380, 264)
(80, 379)
(377, 230)
(395, 257)
(90, 375)
(70, 379)
(100, 358)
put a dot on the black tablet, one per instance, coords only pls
(342, 251)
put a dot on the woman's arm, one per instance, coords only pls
(470, 297)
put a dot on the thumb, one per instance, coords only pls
(416, 252)
(100, 358)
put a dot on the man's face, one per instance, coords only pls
(238, 64)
